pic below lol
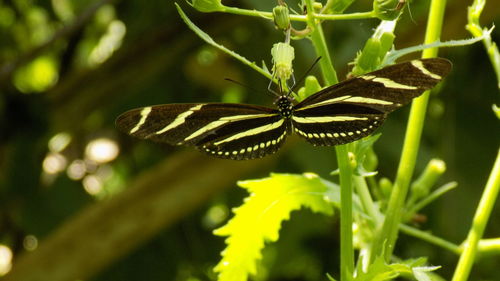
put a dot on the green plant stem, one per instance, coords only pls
(428, 237)
(300, 18)
(367, 201)
(491, 245)
(479, 223)
(413, 209)
(319, 43)
(386, 239)
(475, 29)
(330, 77)
(346, 239)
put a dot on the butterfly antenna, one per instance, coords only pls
(242, 85)
(303, 76)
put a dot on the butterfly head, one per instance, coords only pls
(285, 105)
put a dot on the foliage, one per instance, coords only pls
(258, 220)
(378, 242)
(147, 212)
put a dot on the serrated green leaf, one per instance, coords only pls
(377, 271)
(259, 219)
(423, 273)
(366, 160)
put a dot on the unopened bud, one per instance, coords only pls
(281, 17)
(208, 5)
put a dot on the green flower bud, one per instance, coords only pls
(387, 9)
(371, 160)
(311, 86)
(386, 42)
(385, 187)
(369, 58)
(283, 55)
(281, 17)
(375, 49)
(422, 186)
(208, 6)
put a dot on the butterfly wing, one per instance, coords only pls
(354, 108)
(233, 131)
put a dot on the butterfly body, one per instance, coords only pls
(338, 114)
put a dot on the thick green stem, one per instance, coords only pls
(386, 239)
(330, 77)
(346, 240)
(479, 223)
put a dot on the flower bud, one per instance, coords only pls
(387, 9)
(422, 186)
(208, 5)
(283, 55)
(281, 17)
(311, 86)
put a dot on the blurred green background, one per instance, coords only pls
(81, 201)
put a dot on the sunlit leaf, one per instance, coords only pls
(259, 219)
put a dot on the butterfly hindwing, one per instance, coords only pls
(260, 137)
(234, 131)
(336, 124)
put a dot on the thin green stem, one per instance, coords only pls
(299, 18)
(319, 43)
(205, 37)
(475, 29)
(352, 16)
(367, 201)
(330, 77)
(428, 237)
(479, 222)
(413, 209)
(386, 239)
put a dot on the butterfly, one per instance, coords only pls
(338, 114)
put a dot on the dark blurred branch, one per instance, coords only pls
(109, 229)
(7, 69)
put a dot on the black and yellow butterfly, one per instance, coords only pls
(338, 114)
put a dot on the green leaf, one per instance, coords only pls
(365, 160)
(386, 9)
(423, 273)
(377, 271)
(259, 219)
(393, 55)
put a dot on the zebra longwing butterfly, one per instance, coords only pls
(338, 114)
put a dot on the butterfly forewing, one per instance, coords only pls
(224, 130)
(354, 108)
(386, 89)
